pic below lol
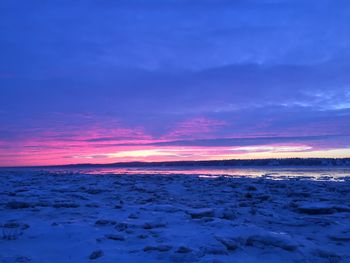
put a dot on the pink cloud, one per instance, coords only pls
(110, 141)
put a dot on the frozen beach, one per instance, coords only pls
(155, 216)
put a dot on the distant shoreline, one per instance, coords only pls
(322, 162)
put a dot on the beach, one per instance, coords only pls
(76, 217)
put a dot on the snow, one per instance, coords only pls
(55, 217)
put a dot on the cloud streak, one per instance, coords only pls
(157, 76)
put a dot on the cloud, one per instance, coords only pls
(172, 73)
(254, 141)
(196, 127)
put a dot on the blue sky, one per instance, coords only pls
(105, 81)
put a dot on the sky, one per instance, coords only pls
(102, 81)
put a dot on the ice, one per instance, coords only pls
(55, 217)
(200, 213)
(321, 208)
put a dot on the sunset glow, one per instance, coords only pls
(167, 81)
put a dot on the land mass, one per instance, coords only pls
(229, 163)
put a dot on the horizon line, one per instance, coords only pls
(155, 163)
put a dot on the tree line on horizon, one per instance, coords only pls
(232, 162)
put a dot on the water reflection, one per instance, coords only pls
(316, 173)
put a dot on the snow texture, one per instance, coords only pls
(74, 217)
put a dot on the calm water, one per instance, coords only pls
(317, 173)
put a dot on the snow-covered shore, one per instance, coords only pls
(48, 217)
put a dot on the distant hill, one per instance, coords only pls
(225, 163)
